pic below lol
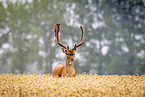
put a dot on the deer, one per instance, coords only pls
(68, 69)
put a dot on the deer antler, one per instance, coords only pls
(81, 40)
(56, 30)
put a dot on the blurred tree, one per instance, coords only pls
(129, 17)
(3, 33)
(17, 22)
(116, 27)
(44, 15)
(3, 37)
(90, 13)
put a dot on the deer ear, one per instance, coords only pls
(64, 50)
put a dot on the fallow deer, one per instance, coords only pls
(67, 69)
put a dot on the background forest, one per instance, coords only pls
(114, 40)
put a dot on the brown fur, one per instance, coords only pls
(61, 70)
(57, 72)
(67, 69)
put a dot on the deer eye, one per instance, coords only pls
(71, 54)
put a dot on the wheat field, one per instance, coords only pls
(32, 85)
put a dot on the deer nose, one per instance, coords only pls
(72, 59)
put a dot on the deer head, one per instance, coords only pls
(70, 53)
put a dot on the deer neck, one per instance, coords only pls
(69, 64)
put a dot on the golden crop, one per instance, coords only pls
(32, 85)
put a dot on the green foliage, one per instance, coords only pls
(27, 37)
